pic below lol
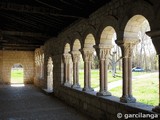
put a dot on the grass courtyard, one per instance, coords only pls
(145, 88)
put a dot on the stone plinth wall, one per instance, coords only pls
(102, 108)
(9, 58)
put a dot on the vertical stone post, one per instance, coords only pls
(50, 75)
(75, 58)
(127, 49)
(67, 58)
(88, 58)
(42, 67)
(104, 56)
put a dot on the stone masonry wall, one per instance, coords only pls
(9, 58)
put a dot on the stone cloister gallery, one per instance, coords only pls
(54, 66)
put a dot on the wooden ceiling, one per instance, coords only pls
(27, 24)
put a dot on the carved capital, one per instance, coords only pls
(67, 58)
(88, 55)
(128, 50)
(129, 46)
(75, 56)
(104, 53)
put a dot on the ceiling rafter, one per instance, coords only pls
(28, 34)
(35, 9)
(19, 20)
(27, 24)
(26, 40)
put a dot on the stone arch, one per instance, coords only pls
(108, 21)
(67, 48)
(76, 36)
(76, 45)
(107, 37)
(90, 33)
(89, 41)
(133, 26)
(137, 8)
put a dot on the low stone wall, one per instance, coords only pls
(101, 108)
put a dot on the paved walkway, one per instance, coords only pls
(28, 103)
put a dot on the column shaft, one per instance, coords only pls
(89, 74)
(101, 76)
(130, 77)
(85, 75)
(77, 73)
(74, 73)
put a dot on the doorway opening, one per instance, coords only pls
(17, 74)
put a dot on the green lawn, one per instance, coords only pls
(17, 76)
(144, 90)
(95, 77)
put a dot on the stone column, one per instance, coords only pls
(127, 49)
(155, 35)
(88, 58)
(50, 75)
(36, 69)
(104, 56)
(75, 58)
(67, 58)
(42, 68)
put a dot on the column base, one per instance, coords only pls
(67, 84)
(156, 109)
(103, 93)
(76, 86)
(88, 89)
(127, 99)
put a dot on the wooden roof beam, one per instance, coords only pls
(26, 34)
(34, 9)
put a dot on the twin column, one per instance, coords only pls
(76, 58)
(103, 62)
(67, 60)
(127, 49)
(88, 55)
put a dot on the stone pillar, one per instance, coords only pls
(75, 58)
(155, 35)
(127, 49)
(88, 58)
(104, 56)
(67, 58)
(42, 68)
(50, 75)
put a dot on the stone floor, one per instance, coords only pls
(29, 103)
